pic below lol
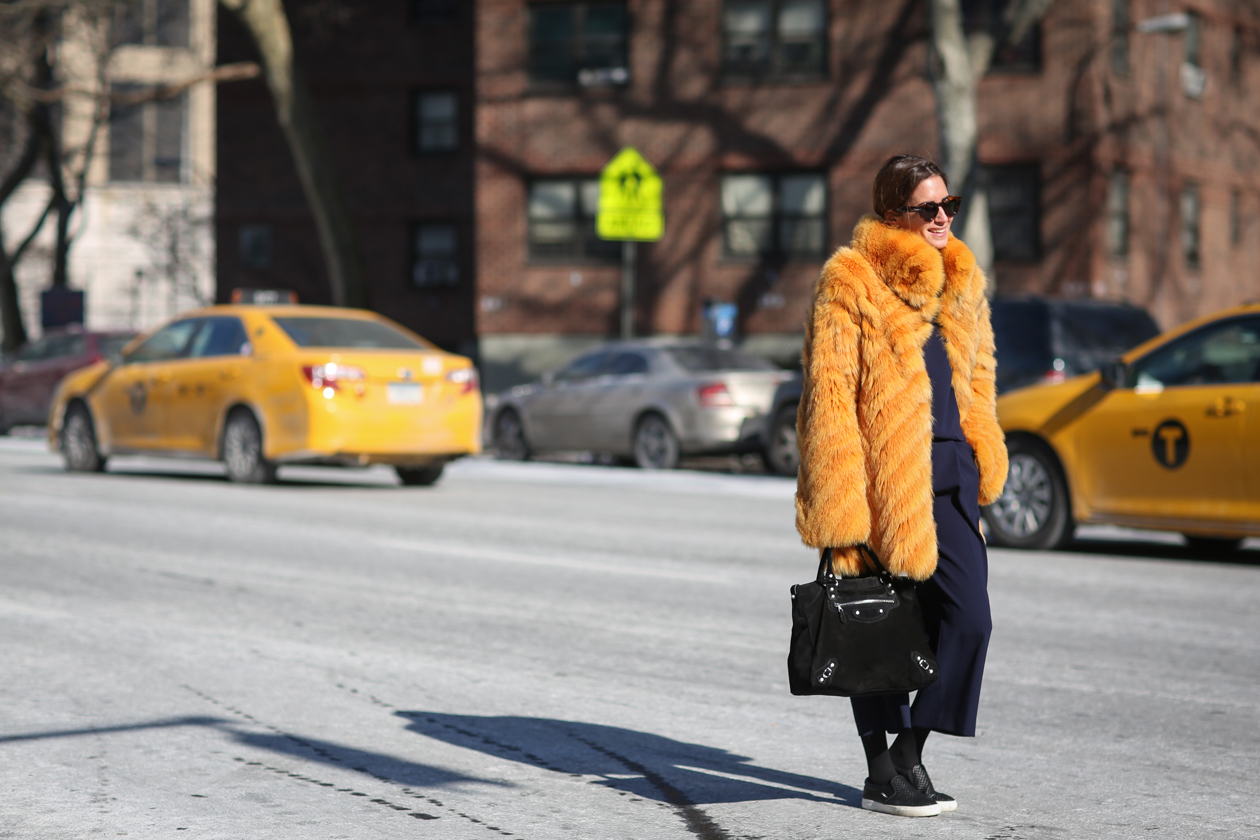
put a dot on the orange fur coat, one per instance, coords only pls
(865, 420)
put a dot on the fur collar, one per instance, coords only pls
(912, 269)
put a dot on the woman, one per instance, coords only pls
(900, 446)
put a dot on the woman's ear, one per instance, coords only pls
(890, 218)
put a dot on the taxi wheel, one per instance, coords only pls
(78, 441)
(782, 454)
(655, 444)
(509, 437)
(419, 476)
(1033, 511)
(243, 450)
(1213, 546)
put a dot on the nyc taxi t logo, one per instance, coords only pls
(1171, 444)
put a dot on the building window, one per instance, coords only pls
(1235, 217)
(774, 215)
(437, 121)
(153, 23)
(1118, 214)
(1120, 24)
(433, 10)
(988, 16)
(561, 215)
(1014, 194)
(1190, 225)
(774, 37)
(582, 43)
(146, 140)
(1236, 56)
(435, 261)
(254, 246)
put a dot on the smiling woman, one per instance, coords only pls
(899, 446)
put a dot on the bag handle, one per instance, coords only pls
(824, 563)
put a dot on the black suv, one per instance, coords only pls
(1038, 340)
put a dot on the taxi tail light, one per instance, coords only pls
(1053, 377)
(466, 378)
(714, 395)
(329, 375)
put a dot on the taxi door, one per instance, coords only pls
(202, 382)
(134, 396)
(1170, 445)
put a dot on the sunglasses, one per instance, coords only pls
(927, 210)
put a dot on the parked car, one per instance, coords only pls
(29, 377)
(649, 401)
(1041, 340)
(1161, 439)
(259, 386)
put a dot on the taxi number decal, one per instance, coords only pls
(1171, 444)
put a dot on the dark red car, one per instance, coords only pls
(28, 376)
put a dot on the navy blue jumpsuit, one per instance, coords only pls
(955, 599)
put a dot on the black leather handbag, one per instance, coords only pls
(858, 637)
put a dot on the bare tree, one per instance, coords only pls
(174, 235)
(960, 60)
(268, 26)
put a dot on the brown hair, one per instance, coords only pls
(899, 177)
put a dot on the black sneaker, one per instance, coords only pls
(919, 778)
(898, 797)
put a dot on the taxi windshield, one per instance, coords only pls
(346, 332)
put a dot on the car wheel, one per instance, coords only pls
(1033, 511)
(655, 444)
(782, 456)
(78, 441)
(419, 476)
(509, 437)
(1213, 546)
(243, 450)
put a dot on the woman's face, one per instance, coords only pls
(936, 232)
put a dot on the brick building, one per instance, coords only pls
(1117, 163)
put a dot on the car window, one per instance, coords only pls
(346, 332)
(584, 367)
(65, 346)
(111, 345)
(167, 343)
(699, 359)
(624, 364)
(1219, 354)
(32, 351)
(1111, 329)
(219, 336)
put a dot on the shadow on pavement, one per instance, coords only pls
(1161, 551)
(377, 765)
(637, 763)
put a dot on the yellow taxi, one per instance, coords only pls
(1166, 438)
(260, 386)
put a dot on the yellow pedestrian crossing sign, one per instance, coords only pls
(630, 194)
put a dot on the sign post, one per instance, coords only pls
(630, 199)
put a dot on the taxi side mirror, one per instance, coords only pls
(1113, 374)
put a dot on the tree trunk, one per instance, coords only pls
(295, 109)
(959, 62)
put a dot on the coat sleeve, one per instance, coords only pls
(981, 426)
(831, 503)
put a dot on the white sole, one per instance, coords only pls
(902, 810)
(948, 806)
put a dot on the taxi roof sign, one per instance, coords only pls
(630, 198)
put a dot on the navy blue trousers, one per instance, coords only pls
(955, 610)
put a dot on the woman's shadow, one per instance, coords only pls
(638, 763)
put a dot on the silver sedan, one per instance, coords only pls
(652, 401)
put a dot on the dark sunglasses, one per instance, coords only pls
(927, 210)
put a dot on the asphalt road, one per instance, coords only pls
(540, 651)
